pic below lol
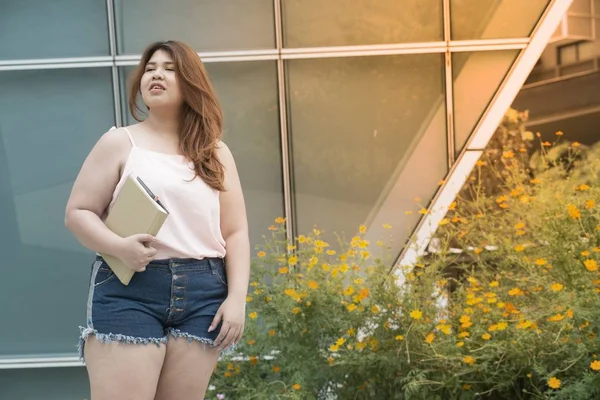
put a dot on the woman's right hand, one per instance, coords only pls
(136, 251)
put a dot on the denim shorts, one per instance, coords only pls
(174, 297)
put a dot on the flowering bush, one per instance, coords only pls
(515, 314)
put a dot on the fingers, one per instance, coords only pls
(216, 321)
(230, 337)
(151, 252)
(222, 335)
(144, 238)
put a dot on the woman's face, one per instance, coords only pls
(159, 85)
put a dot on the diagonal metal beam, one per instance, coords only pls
(483, 133)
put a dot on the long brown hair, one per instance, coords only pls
(201, 118)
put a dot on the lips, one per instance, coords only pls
(157, 86)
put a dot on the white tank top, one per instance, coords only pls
(193, 227)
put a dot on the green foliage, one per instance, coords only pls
(515, 314)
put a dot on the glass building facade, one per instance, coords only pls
(339, 113)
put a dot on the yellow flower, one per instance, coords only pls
(583, 187)
(227, 374)
(443, 222)
(554, 383)
(423, 211)
(486, 336)
(519, 248)
(591, 265)
(574, 211)
(536, 181)
(276, 368)
(272, 332)
(387, 226)
(297, 386)
(515, 292)
(351, 332)
(399, 338)
(589, 204)
(520, 225)
(585, 253)
(430, 338)
(595, 365)
(248, 299)
(556, 318)
(494, 284)
(559, 133)
(508, 154)
(344, 268)
(481, 163)
(556, 287)
(283, 270)
(460, 344)
(279, 220)
(301, 239)
(293, 260)
(469, 360)
(575, 144)
(296, 310)
(313, 285)
(348, 291)
(541, 262)
(416, 314)
(253, 315)
(464, 335)
(362, 229)
(351, 307)
(251, 342)
(261, 254)
(375, 310)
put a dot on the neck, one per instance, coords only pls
(165, 123)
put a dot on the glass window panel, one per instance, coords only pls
(587, 50)
(580, 26)
(581, 6)
(248, 94)
(33, 29)
(316, 23)
(494, 19)
(484, 71)
(567, 54)
(206, 25)
(45, 383)
(49, 121)
(355, 123)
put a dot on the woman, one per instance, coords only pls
(160, 336)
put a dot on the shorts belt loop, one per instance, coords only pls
(211, 265)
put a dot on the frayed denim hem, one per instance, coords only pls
(204, 341)
(114, 337)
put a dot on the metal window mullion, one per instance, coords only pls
(449, 80)
(116, 79)
(283, 125)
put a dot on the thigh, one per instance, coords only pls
(123, 370)
(187, 370)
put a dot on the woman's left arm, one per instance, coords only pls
(234, 228)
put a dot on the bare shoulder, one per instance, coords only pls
(114, 142)
(224, 154)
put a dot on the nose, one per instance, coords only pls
(157, 74)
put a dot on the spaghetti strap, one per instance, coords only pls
(130, 137)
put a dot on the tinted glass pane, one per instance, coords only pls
(494, 19)
(45, 384)
(49, 121)
(315, 23)
(355, 124)
(206, 25)
(482, 70)
(53, 29)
